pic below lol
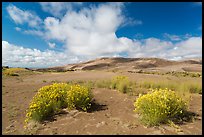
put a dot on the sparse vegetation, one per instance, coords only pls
(104, 84)
(172, 73)
(15, 71)
(124, 85)
(179, 86)
(88, 84)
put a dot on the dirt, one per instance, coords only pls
(111, 113)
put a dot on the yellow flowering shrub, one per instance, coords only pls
(78, 97)
(52, 98)
(159, 106)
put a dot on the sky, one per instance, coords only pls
(47, 34)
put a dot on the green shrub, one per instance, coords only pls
(50, 99)
(121, 83)
(123, 86)
(159, 106)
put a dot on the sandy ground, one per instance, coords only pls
(112, 112)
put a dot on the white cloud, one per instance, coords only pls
(186, 36)
(191, 47)
(34, 32)
(152, 47)
(90, 33)
(57, 9)
(17, 56)
(17, 29)
(172, 37)
(21, 17)
(51, 45)
(132, 22)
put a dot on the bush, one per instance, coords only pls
(49, 100)
(78, 97)
(123, 86)
(121, 83)
(160, 106)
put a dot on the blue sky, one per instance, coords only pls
(50, 34)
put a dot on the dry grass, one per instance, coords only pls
(172, 73)
(15, 71)
(180, 86)
(183, 86)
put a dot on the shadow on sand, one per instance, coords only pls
(187, 117)
(94, 107)
(97, 107)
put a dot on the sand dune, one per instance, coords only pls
(126, 64)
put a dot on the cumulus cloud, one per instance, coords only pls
(189, 48)
(51, 45)
(186, 36)
(90, 33)
(150, 47)
(17, 56)
(153, 47)
(87, 31)
(21, 17)
(57, 9)
(172, 37)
